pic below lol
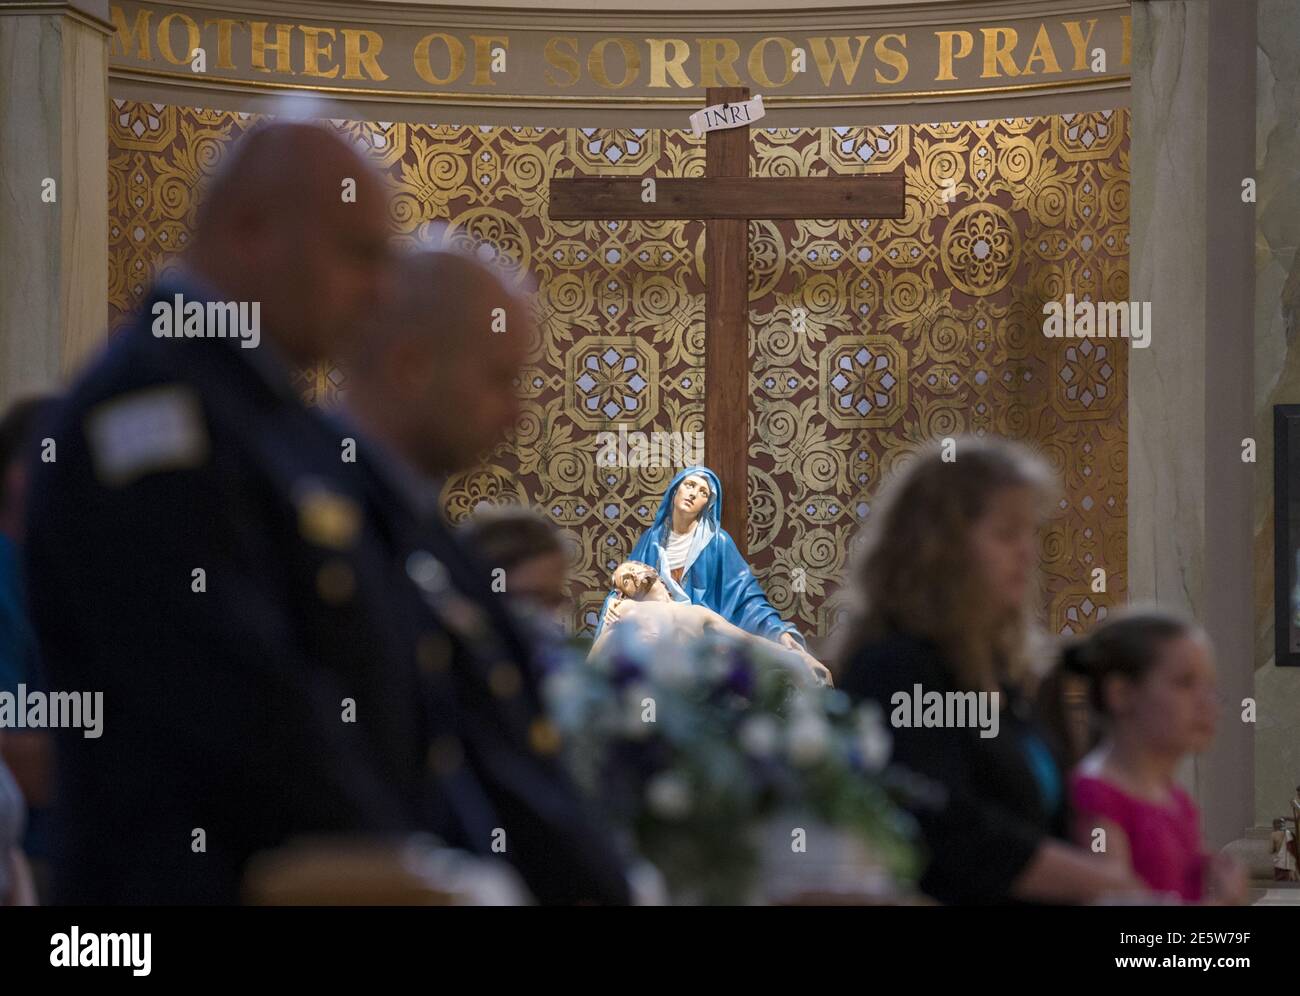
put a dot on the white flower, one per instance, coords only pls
(873, 739)
(759, 735)
(710, 658)
(639, 708)
(563, 694)
(669, 796)
(669, 666)
(809, 736)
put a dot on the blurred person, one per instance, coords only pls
(17, 640)
(527, 548)
(1151, 677)
(196, 556)
(29, 754)
(529, 561)
(431, 391)
(16, 887)
(1282, 844)
(945, 584)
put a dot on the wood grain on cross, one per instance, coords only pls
(726, 198)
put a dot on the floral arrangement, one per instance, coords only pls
(725, 766)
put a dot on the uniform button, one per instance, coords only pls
(543, 737)
(424, 569)
(335, 582)
(465, 617)
(504, 680)
(445, 755)
(433, 653)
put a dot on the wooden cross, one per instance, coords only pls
(726, 198)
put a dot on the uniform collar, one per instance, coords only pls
(267, 360)
(420, 494)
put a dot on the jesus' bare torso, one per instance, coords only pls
(645, 605)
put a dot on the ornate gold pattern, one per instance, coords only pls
(980, 249)
(932, 332)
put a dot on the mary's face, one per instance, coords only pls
(692, 495)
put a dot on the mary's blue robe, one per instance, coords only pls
(716, 575)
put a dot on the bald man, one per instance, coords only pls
(197, 554)
(431, 391)
(434, 372)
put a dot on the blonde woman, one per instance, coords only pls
(940, 636)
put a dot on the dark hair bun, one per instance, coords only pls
(1076, 657)
(1125, 645)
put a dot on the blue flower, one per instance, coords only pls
(624, 670)
(740, 678)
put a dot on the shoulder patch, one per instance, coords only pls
(156, 429)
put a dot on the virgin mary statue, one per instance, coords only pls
(698, 561)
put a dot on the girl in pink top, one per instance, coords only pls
(1151, 679)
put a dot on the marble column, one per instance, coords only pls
(1167, 267)
(1277, 378)
(53, 126)
(1191, 394)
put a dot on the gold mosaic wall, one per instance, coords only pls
(918, 328)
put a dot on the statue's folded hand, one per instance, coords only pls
(614, 610)
(819, 670)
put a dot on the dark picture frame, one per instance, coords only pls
(1286, 535)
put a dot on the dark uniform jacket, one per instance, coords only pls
(551, 837)
(272, 695)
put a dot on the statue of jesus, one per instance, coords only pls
(698, 562)
(648, 608)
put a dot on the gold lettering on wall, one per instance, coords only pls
(844, 59)
(483, 57)
(717, 62)
(455, 58)
(1043, 52)
(916, 62)
(192, 38)
(757, 69)
(631, 62)
(1080, 41)
(999, 44)
(225, 28)
(361, 50)
(663, 65)
(891, 57)
(565, 61)
(947, 57)
(257, 32)
(138, 33)
(313, 50)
